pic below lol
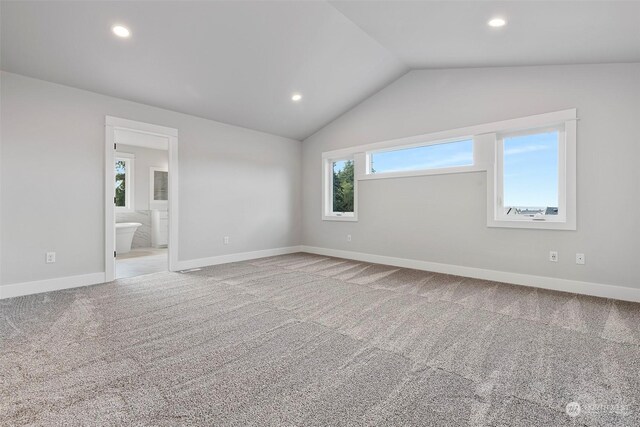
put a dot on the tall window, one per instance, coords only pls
(343, 186)
(340, 197)
(423, 157)
(530, 175)
(124, 182)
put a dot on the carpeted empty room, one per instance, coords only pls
(319, 213)
(310, 340)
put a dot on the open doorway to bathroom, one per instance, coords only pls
(141, 204)
(138, 217)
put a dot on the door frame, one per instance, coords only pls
(111, 125)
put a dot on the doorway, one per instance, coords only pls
(141, 198)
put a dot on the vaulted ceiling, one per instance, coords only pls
(446, 34)
(239, 62)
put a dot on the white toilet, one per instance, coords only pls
(124, 236)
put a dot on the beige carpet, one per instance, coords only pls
(306, 340)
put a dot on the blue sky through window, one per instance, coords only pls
(459, 153)
(339, 165)
(531, 170)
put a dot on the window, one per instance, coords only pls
(530, 175)
(529, 164)
(531, 182)
(424, 157)
(124, 182)
(340, 190)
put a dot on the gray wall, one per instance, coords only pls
(443, 218)
(233, 181)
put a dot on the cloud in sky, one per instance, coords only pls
(526, 149)
(452, 160)
(459, 153)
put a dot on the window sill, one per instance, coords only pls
(532, 224)
(352, 218)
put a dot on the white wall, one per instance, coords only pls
(145, 158)
(233, 181)
(443, 218)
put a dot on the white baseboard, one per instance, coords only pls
(544, 282)
(38, 286)
(27, 288)
(242, 256)
(564, 285)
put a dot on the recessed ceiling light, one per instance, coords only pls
(121, 31)
(497, 22)
(296, 97)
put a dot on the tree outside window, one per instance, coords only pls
(121, 171)
(343, 186)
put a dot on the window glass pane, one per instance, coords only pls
(121, 170)
(343, 184)
(451, 154)
(531, 174)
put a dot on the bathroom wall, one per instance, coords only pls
(142, 237)
(144, 159)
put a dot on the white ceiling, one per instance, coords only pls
(239, 61)
(236, 62)
(443, 34)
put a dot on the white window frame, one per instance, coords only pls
(485, 137)
(129, 181)
(566, 218)
(420, 172)
(327, 191)
(562, 180)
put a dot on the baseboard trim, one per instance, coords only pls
(38, 286)
(241, 256)
(27, 288)
(544, 282)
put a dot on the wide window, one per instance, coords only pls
(340, 199)
(424, 157)
(124, 182)
(529, 163)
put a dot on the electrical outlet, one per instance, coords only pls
(51, 257)
(553, 256)
(348, 237)
(580, 259)
(225, 240)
